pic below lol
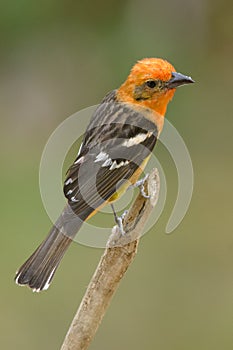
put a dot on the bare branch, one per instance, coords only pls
(115, 261)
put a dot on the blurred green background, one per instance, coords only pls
(58, 57)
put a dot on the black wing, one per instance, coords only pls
(115, 144)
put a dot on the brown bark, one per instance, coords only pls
(117, 257)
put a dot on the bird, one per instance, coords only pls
(116, 147)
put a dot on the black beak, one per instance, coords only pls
(178, 79)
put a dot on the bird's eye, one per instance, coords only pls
(151, 83)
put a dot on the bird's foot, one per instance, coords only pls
(140, 184)
(119, 220)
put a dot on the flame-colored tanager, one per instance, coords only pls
(116, 147)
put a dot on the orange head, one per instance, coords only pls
(151, 84)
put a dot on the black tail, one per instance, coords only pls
(38, 271)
